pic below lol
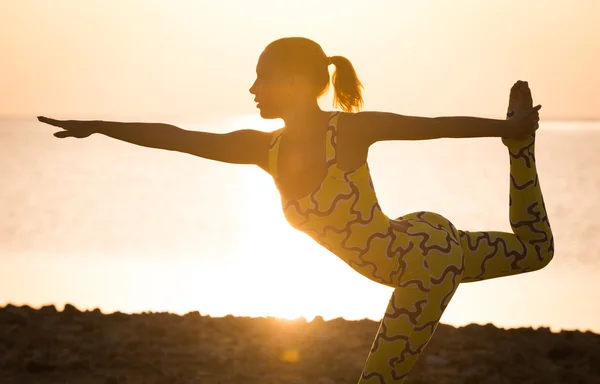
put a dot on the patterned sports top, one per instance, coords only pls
(343, 214)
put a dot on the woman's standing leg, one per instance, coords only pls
(431, 270)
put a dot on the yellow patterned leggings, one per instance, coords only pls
(449, 257)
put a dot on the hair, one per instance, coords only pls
(303, 56)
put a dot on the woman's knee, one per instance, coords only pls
(542, 254)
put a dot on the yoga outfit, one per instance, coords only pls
(421, 255)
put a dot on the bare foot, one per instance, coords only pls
(519, 100)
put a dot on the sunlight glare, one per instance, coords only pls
(255, 122)
(293, 276)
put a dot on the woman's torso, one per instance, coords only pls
(335, 205)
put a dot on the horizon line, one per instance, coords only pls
(212, 117)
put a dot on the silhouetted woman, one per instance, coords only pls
(319, 164)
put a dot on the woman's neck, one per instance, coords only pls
(304, 119)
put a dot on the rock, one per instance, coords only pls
(48, 310)
(436, 361)
(75, 363)
(94, 315)
(119, 317)
(89, 327)
(325, 380)
(475, 375)
(39, 363)
(72, 346)
(560, 351)
(192, 317)
(10, 332)
(13, 315)
(156, 330)
(71, 310)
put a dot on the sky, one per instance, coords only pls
(194, 61)
(184, 60)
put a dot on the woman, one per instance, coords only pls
(319, 163)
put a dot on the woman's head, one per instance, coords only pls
(294, 70)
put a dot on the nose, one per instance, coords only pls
(252, 89)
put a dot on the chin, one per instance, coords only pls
(268, 115)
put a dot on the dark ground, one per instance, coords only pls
(46, 346)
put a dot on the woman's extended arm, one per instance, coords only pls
(372, 127)
(239, 147)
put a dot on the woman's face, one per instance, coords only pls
(271, 89)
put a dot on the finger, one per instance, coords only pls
(56, 123)
(45, 119)
(533, 111)
(62, 134)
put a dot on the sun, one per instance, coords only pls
(292, 275)
(272, 269)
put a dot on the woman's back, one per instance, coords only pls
(302, 161)
(340, 211)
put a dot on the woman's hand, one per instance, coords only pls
(72, 128)
(523, 123)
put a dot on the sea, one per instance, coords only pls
(100, 223)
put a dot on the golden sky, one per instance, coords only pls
(190, 60)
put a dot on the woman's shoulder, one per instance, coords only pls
(351, 125)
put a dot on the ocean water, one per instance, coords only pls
(103, 223)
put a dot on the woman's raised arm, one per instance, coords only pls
(238, 147)
(372, 127)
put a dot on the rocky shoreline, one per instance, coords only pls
(70, 346)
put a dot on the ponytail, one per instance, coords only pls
(305, 57)
(347, 87)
